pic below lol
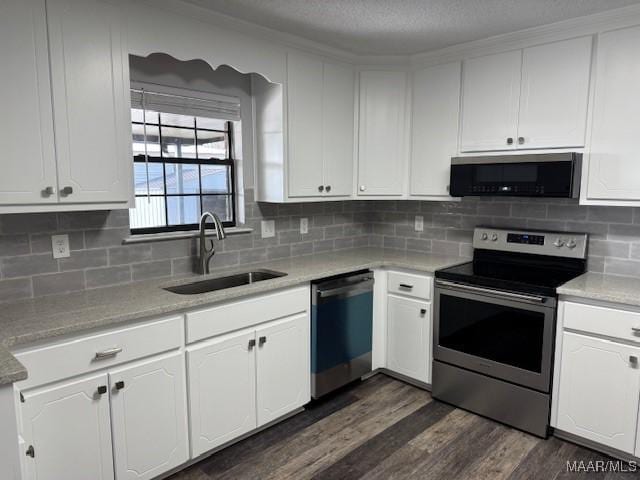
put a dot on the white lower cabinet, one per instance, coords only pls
(599, 387)
(283, 367)
(408, 337)
(243, 380)
(149, 417)
(67, 431)
(222, 386)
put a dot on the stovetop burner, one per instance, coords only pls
(525, 262)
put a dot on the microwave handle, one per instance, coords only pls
(499, 293)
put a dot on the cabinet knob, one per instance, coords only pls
(252, 343)
(30, 452)
(423, 311)
(633, 360)
(362, 188)
(321, 188)
(328, 188)
(520, 140)
(635, 330)
(119, 385)
(102, 389)
(48, 191)
(510, 141)
(262, 341)
(67, 190)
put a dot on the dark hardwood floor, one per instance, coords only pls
(386, 429)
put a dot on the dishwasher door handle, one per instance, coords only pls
(363, 286)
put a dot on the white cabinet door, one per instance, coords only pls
(338, 129)
(598, 394)
(68, 427)
(222, 390)
(490, 93)
(283, 373)
(26, 125)
(304, 98)
(408, 333)
(90, 82)
(554, 94)
(382, 140)
(434, 129)
(149, 417)
(613, 168)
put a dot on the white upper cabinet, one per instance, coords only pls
(613, 164)
(525, 99)
(90, 80)
(149, 417)
(304, 98)
(382, 136)
(338, 129)
(490, 95)
(434, 129)
(26, 126)
(554, 94)
(319, 135)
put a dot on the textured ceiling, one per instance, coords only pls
(389, 27)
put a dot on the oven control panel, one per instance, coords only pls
(557, 244)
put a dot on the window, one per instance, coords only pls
(183, 162)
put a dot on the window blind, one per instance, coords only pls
(226, 109)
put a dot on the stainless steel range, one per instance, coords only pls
(495, 320)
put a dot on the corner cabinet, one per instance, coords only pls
(527, 99)
(383, 133)
(67, 142)
(317, 161)
(613, 170)
(434, 129)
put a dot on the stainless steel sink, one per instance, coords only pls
(221, 283)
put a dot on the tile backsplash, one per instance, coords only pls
(99, 259)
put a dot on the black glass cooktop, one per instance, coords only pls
(534, 274)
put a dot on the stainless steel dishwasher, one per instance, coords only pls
(341, 330)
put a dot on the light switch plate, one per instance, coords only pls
(60, 246)
(419, 223)
(304, 226)
(268, 228)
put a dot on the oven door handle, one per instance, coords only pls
(498, 293)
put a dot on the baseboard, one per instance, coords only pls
(598, 447)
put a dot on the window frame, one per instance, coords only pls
(162, 160)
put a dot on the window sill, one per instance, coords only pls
(164, 237)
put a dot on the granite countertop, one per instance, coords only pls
(607, 288)
(45, 318)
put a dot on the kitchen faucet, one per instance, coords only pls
(206, 253)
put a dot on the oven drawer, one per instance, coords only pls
(610, 322)
(411, 285)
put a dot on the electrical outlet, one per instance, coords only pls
(419, 223)
(268, 228)
(304, 226)
(60, 246)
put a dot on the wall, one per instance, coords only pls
(614, 245)
(99, 259)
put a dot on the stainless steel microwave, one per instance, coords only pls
(532, 175)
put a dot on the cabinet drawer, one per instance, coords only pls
(233, 316)
(411, 285)
(78, 356)
(602, 321)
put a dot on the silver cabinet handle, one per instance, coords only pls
(67, 190)
(48, 191)
(489, 291)
(111, 352)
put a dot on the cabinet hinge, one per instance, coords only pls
(31, 452)
(22, 398)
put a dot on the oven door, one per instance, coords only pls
(500, 334)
